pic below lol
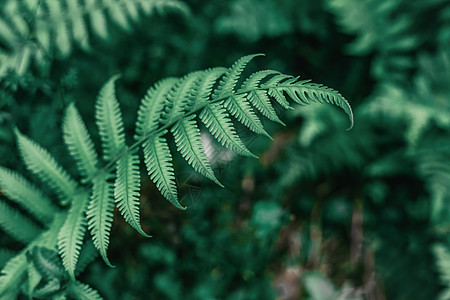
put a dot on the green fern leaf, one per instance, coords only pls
(160, 168)
(187, 138)
(79, 30)
(79, 143)
(119, 17)
(81, 291)
(239, 107)
(126, 190)
(97, 20)
(62, 39)
(18, 189)
(33, 279)
(71, 235)
(217, 120)
(109, 120)
(231, 77)
(100, 214)
(17, 225)
(41, 163)
(12, 275)
(152, 106)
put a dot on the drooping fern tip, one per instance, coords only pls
(171, 109)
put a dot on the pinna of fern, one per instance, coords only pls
(170, 109)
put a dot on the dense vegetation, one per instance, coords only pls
(323, 213)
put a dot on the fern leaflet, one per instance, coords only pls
(160, 168)
(79, 143)
(126, 190)
(151, 107)
(100, 213)
(41, 163)
(28, 196)
(109, 121)
(217, 120)
(10, 217)
(187, 138)
(71, 235)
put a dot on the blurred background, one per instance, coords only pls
(324, 213)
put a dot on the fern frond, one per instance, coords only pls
(160, 167)
(171, 105)
(81, 291)
(152, 106)
(109, 120)
(18, 189)
(126, 190)
(187, 138)
(42, 164)
(71, 235)
(217, 120)
(79, 143)
(17, 225)
(100, 214)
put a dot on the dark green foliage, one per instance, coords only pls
(322, 213)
